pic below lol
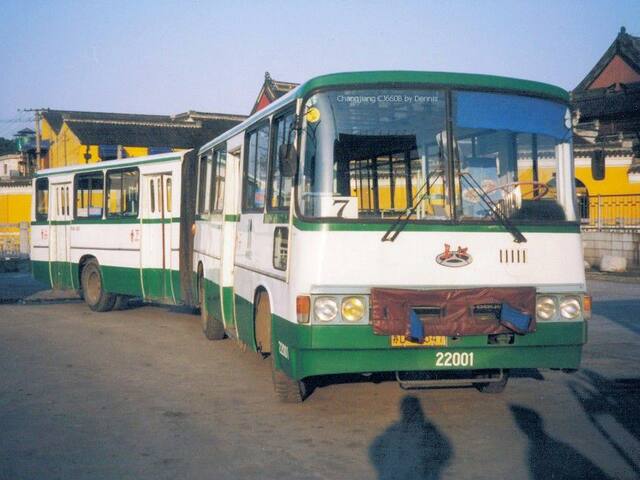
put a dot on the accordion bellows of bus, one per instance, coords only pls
(354, 196)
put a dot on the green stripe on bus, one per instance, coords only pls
(120, 280)
(106, 221)
(244, 322)
(227, 302)
(40, 271)
(429, 227)
(232, 218)
(161, 220)
(276, 217)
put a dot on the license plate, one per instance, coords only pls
(435, 341)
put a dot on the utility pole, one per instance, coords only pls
(37, 112)
(38, 146)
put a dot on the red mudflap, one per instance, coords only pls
(451, 313)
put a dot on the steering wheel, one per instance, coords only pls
(541, 188)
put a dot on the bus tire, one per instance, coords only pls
(287, 389)
(94, 295)
(212, 328)
(493, 387)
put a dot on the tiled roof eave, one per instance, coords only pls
(190, 125)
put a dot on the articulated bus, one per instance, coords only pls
(417, 223)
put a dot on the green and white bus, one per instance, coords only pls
(411, 222)
(112, 230)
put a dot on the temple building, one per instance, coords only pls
(606, 117)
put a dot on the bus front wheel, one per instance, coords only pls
(287, 389)
(212, 328)
(94, 295)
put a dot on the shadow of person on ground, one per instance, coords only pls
(549, 458)
(412, 448)
(601, 399)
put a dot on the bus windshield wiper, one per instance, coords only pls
(401, 221)
(495, 210)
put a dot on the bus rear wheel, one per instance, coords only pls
(212, 328)
(93, 293)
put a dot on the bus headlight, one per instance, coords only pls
(352, 309)
(570, 308)
(545, 308)
(325, 309)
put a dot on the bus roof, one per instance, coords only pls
(123, 162)
(445, 79)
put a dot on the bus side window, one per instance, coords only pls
(168, 195)
(122, 192)
(42, 199)
(280, 175)
(204, 181)
(89, 194)
(202, 168)
(152, 196)
(130, 190)
(217, 180)
(255, 171)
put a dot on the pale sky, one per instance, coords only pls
(162, 57)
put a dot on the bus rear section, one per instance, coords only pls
(114, 231)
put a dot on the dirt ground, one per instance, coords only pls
(142, 394)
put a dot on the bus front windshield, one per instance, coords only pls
(377, 154)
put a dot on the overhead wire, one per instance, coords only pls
(12, 124)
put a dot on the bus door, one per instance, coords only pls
(156, 238)
(59, 219)
(228, 238)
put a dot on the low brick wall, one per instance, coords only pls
(618, 243)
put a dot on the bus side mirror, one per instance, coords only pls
(288, 156)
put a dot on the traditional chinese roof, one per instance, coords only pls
(611, 90)
(606, 103)
(625, 48)
(271, 90)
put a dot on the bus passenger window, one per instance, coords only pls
(280, 173)
(122, 193)
(42, 198)
(63, 204)
(168, 195)
(217, 180)
(255, 171)
(130, 192)
(204, 181)
(152, 196)
(89, 195)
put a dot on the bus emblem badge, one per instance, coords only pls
(454, 258)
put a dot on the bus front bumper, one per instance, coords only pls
(307, 350)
